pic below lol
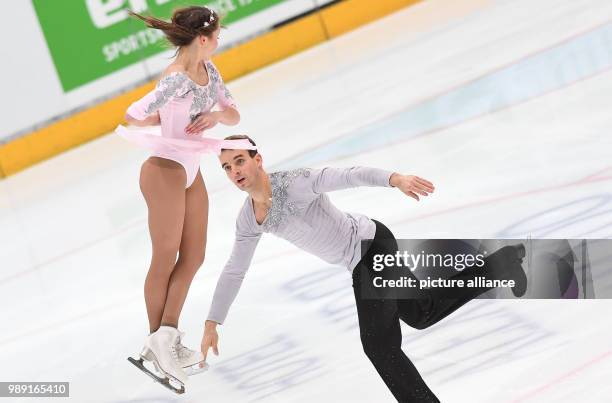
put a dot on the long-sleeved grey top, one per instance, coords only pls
(302, 214)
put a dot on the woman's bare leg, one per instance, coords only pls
(191, 252)
(162, 183)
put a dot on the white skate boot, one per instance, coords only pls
(161, 349)
(190, 360)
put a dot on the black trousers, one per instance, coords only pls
(379, 324)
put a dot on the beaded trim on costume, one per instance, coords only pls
(281, 206)
(167, 88)
(178, 84)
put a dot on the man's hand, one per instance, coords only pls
(411, 185)
(210, 338)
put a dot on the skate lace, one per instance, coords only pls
(174, 352)
(182, 351)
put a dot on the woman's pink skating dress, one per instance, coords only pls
(179, 101)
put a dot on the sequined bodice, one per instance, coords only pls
(179, 100)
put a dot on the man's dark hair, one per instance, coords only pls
(252, 153)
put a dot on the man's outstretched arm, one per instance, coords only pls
(228, 286)
(330, 179)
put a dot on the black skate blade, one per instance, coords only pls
(164, 381)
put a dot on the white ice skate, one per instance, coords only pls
(190, 360)
(161, 349)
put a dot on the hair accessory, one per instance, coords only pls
(211, 17)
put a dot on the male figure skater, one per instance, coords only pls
(293, 205)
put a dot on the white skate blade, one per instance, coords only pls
(168, 383)
(148, 355)
(196, 368)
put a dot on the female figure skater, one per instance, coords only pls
(170, 180)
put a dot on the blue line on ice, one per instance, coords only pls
(554, 68)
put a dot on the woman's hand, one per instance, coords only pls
(411, 185)
(202, 122)
(210, 338)
(152, 120)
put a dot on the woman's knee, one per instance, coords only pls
(191, 260)
(169, 246)
(164, 255)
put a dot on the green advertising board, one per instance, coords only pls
(89, 39)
